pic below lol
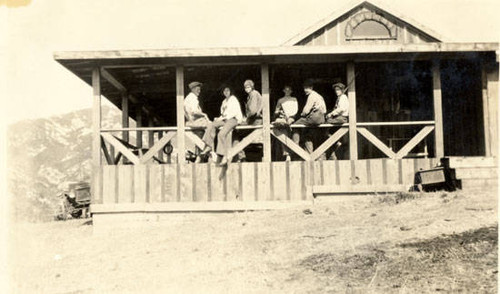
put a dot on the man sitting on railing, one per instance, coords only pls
(285, 112)
(195, 117)
(313, 114)
(340, 113)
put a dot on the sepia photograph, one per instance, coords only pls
(301, 146)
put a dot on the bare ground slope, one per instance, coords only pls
(410, 243)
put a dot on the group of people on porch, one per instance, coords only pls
(286, 113)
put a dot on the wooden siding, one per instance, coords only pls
(334, 33)
(249, 181)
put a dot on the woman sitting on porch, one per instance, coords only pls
(230, 117)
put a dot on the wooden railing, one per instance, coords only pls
(165, 134)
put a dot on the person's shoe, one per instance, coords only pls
(223, 161)
(206, 150)
(288, 158)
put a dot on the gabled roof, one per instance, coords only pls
(352, 6)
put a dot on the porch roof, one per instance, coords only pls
(150, 74)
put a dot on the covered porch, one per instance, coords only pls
(407, 104)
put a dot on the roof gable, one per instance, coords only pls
(364, 22)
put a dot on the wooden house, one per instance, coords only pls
(414, 98)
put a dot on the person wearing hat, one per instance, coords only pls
(195, 117)
(253, 105)
(313, 114)
(340, 113)
(230, 117)
(253, 111)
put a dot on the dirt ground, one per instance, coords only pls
(408, 243)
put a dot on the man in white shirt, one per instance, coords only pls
(195, 117)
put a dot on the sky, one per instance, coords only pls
(33, 85)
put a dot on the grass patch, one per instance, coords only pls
(462, 263)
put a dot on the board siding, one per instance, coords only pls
(250, 181)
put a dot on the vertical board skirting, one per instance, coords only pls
(187, 186)
(162, 179)
(194, 181)
(209, 182)
(117, 185)
(232, 182)
(139, 183)
(344, 172)
(280, 180)
(304, 180)
(217, 183)
(155, 183)
(240, 181)
(337, 172)
(132, 183)
(408, 170)
(224, 182)
(146, 180)
(252, 181)
(384, 171)
(296, 179)
(368, 172)
(353, 175)
(108, 184)
(287, 177)
(271, 181)
(400, 171)
(178, 182)
(392, 172)
(247, 175)
(256, 181)
(263, 182)
(322, 172)
(170, 183)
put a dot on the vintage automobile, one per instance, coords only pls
(74, 201)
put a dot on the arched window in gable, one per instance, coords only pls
(370, 26)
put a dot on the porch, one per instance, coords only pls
(396, 125)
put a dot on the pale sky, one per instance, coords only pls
(34, 85)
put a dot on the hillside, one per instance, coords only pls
(44, 153)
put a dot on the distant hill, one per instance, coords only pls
(44, 153)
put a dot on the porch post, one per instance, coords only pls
(266, 118)
(125, 124)
(181, 145)
(492, 86)
(151, 138)
(486, 121)
(96, 135)
(438, 110)
(138, 118)
(351, 93)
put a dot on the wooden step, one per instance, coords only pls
(479, 183)
(458, 162)
(477, 173)
(358, 189)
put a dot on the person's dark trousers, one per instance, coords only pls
(337, 121)
(313, 119)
